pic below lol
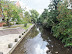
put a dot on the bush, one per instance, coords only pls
(7, 25)
(63, 31)
(18, 23)
(25, 25)
(60, 22)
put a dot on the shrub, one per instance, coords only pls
(7, 25)
(25, 25)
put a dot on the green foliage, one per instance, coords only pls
(7, 25)
(43, 16)
(34, 15)
(11, 12)
(30, 16)
(25, 25)
(59, 18)
(48, 17)
(63, 30)
(27, 17)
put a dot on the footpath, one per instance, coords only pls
(10, 38)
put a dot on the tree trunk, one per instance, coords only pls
(8, 23)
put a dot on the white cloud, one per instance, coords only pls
(24, 6)
(40, 11)
(39, 50)
(39, 5)
(14, 0)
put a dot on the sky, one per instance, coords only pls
(38, 5)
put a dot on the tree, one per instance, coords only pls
(48, 17)
(1, 10)
(53, 11)
(34, 15)
(11, 12)
(44, 17)
(63, 30)
(27, 14)
(15, 16)
(54, 4)
(27, 17)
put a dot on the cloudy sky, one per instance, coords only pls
(39, 5)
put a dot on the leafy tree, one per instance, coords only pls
(34, 15)
(15, 16)
(27, 14)
(63, 30)
(59, 18)
(11, 12)
(27, 18)
(53, 11)
(54, 4)
(44, 17)
(48, 17)
(1, 12)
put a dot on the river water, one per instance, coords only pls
(40, 41)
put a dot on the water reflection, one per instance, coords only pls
(36, 45)
(40, 41)
(55, 46)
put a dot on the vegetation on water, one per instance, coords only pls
(59, 18)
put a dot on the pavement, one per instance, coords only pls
(1, 28)
(5, 40)
(8, 36)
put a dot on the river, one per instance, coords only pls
(41, 41)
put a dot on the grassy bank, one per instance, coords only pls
(21, 25)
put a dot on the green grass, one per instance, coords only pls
(27, 26)
(22, 26)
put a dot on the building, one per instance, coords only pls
(19, 6)
(0, 13)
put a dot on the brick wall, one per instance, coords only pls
(1, 24)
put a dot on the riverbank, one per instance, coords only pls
(41, 41)
(8, 36)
